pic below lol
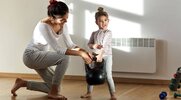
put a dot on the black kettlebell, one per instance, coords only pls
(95, 75)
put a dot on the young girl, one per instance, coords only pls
(100, 43)
(38, 57)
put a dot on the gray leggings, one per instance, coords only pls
(41, 62)
(108, 70)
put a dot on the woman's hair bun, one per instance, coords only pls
(100, 9)
(52, 1)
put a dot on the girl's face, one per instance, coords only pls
(61, 19)
(102, 22)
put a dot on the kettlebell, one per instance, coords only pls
(95, 74)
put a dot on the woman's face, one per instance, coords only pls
(102, 22)
(61, 19)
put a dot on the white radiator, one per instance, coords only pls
(134, 55)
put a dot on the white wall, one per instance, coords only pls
(17, 20)
(161, 20)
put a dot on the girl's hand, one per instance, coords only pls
(99, 58)
(97, 46)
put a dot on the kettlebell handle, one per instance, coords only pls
(94, 56)
(93, 59)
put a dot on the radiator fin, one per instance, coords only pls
(140, 58)
(134, 42)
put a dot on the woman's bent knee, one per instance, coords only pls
(66, 58)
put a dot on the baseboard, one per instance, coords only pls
(71, 77)
(142, 81)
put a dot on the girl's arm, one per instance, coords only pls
(107, 40)
(91, 41)
(100, 55)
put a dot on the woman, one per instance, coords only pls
(38, 57)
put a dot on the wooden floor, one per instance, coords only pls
(72, 89)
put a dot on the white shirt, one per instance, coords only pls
(104, 38)
(44, 36)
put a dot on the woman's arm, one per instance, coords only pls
(66, 37)
(85, 55)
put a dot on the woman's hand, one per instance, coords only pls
(86, 57)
